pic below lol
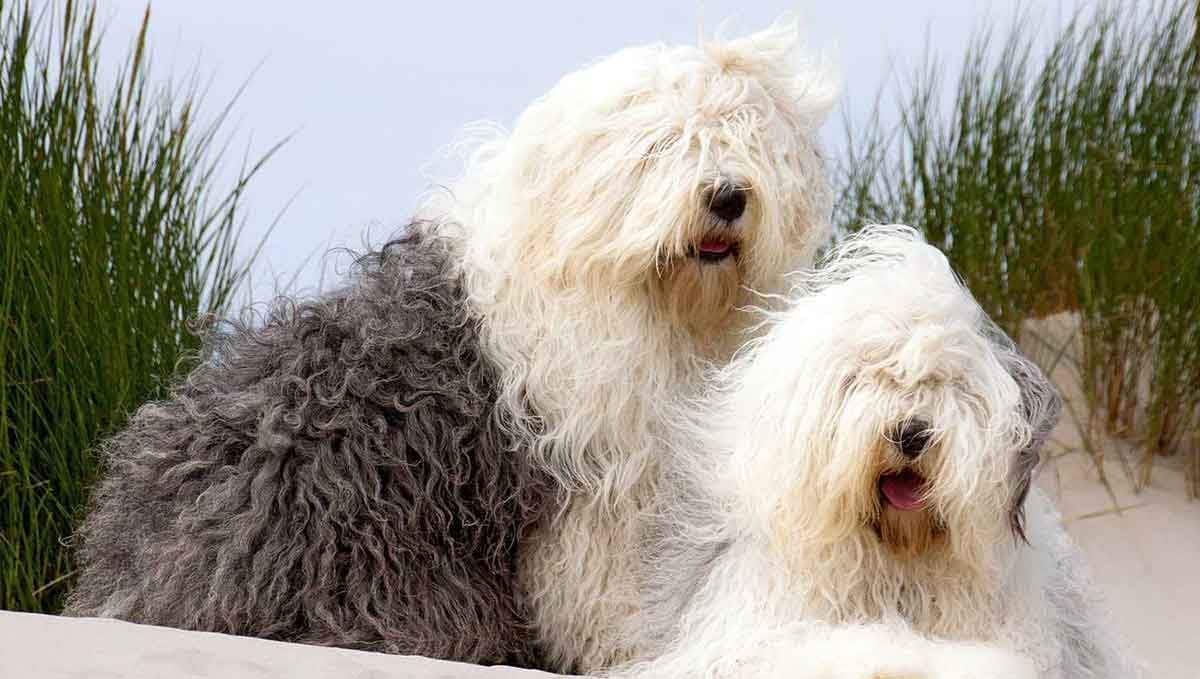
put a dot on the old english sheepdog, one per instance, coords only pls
(452, 455)
(853, 498)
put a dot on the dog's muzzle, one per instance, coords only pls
(725, 204)
(905, 490)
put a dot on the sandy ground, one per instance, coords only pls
(1144, 547)
(49, 647)
(1144, 553)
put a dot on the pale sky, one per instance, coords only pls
(375, 90)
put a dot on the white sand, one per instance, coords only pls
(1144, 553)
(49, 647)
(1143, 548)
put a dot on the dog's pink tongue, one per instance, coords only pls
(903, 490)
(714, 246)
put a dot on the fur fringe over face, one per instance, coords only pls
(453, 456)
(856, 500)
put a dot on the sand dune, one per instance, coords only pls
(1144, 547)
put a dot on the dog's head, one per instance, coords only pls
(885, 412)
(666, 178)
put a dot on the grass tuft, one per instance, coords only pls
(112, 240)
(1067, 179)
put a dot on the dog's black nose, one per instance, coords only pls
(913, 438)
(728, 202)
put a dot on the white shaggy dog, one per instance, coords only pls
(859, 486)
(609, 243)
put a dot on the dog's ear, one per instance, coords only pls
(1041, 406)
(1023, 468)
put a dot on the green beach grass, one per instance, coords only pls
(1066, 179)
(113, 240)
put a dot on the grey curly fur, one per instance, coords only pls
(338, 475)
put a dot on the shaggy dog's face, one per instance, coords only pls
(888, 420)
(671, 180)
(949, 420)
(610, 239)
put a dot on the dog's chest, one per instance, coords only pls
(579, 571)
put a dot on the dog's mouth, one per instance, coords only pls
(904, 491)
(716, 248)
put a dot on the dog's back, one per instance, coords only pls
(336, 476)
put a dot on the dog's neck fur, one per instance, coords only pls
(588, 376)
(588, 381)
(935, 592)
(580, 567)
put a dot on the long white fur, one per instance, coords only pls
(772, 563)
(573, 232)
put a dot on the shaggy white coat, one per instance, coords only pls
(577, 235)
(782, 556)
